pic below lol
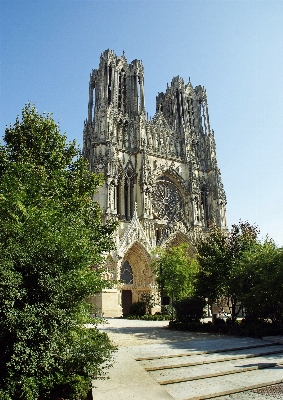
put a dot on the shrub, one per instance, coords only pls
(138, 308)
(257, 329)
(149, 317)
(190, 309)
(168, 309)
(219, 322)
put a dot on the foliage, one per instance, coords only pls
(168, 310)
(149, 300)
(219, 256)
(150, 317)
(138, 308)
(261, 271)
(257, 329)
(175, 271)
(51, 233)
(138, 311)
(190, 309)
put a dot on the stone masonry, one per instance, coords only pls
(162, 181)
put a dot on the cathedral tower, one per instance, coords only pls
(162, 181)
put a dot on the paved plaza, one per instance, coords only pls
(153, 362)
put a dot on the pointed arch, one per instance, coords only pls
(126, 274)
(139, 260)
(179, 238)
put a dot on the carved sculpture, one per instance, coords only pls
(161, 174)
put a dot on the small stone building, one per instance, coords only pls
(162, 181)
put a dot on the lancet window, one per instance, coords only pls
(203, 116)
(191, 116)
(109, 84)
(122, 91)
(91, 102)
(129, 195)
(204, 204)
(125, 196)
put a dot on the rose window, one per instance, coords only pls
(166, 201)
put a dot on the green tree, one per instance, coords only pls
(51, 245)
(261, 274)
(175, 271)
(219, 255)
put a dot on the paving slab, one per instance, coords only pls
(138, 340)
(191, 358)
(128, 380)
(275, 339)
(219, 368)
(223, 385)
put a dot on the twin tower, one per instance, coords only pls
(162, 181)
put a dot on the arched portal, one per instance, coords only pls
(137, 276)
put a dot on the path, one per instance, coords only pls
(154, 363)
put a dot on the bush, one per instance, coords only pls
(219, 322)
(190, 309)
(257, 329)
(168, 309)
(138, 308)
(149, 317)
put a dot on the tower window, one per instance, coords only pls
(204, 204)
(109, 85)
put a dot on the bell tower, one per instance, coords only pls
(162, 181)
(117, 85)
(112, 131)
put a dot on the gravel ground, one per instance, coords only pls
(270, 392)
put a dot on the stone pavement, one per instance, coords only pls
(153, 362)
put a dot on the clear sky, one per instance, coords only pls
(233, 48)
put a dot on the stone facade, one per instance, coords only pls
(162, 181)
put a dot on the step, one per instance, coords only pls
(196, 346)
(208, 358)
(225, 384)
(193, 353)
(204, 371)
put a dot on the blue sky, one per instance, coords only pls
(233, 48)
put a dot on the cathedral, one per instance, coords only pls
(162, 182)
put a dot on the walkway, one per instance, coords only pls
(155, 363)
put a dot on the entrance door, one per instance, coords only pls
(126, 301)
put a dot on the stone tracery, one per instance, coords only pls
(166, 165)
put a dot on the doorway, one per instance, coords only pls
(126, 301)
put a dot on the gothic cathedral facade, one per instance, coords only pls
(162, 181)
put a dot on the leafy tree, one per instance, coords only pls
(175, 271)
(219, 256)
(51, 242)
(261, 271)
(149, 300)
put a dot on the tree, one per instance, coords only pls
(175, 271)
(51, 238)
(261, 271)
(219, 255)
